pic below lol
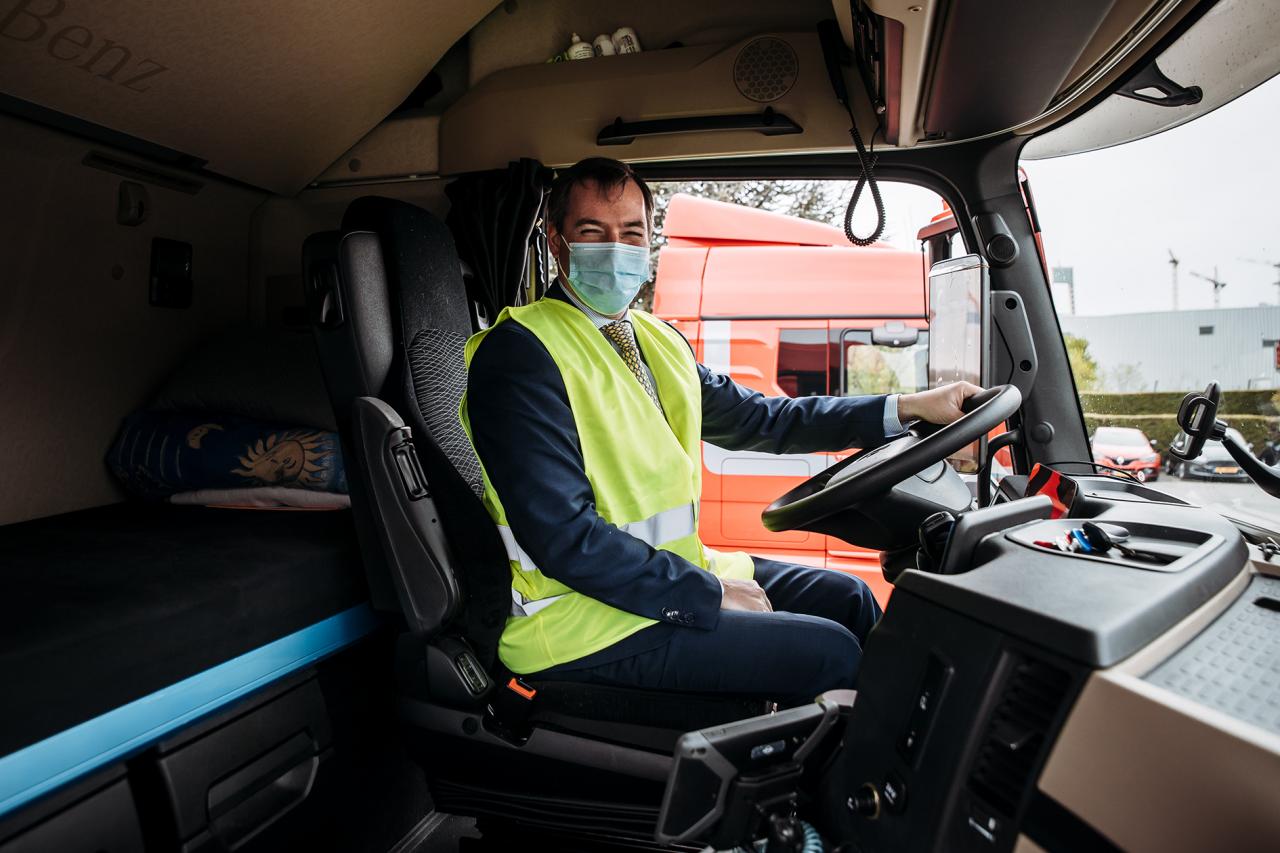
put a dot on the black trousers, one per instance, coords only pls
(811, 642)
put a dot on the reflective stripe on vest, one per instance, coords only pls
(520, 607)
(666, 526)
(515, 553)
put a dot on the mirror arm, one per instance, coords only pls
(1266, 476)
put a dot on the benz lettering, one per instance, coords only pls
(36, 22)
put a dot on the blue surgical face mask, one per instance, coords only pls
(607, 276)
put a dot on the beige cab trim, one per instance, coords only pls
(1152, 770)
(553, 112)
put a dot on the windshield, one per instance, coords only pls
(1166, 278)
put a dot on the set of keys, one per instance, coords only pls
(1096, 538)
(1072, 542)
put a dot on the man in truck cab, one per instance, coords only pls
(587, 417)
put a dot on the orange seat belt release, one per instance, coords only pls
(521, 689)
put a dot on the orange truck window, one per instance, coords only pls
(802, 362)
(873, 369)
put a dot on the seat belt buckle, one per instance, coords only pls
(508, 712)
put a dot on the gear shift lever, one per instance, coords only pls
(934, 533)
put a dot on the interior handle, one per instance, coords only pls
(262, 791)
(768, 122)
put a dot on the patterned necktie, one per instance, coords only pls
(624, 338)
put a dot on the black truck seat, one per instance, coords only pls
(391, 315)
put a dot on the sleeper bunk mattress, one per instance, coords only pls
(107, 605)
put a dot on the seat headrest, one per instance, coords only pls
(423, 273)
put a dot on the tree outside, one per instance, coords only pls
(1126, 378)
(820, 201)
(1083, 367)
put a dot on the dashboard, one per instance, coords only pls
(1045, 700)
(1030, 694)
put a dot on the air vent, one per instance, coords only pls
(766, 69)
(1016, 735)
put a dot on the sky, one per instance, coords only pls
(1209, 190)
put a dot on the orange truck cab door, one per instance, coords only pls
(742, 483)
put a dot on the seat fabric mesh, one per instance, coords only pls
(439, 371)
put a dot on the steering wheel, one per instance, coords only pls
(872, 473)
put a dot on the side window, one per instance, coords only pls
(802, 362)
(870, 368)
(1155, 321)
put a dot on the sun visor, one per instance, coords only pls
(999, 63)
(555, 112)
(266, 93)
(1197, 59)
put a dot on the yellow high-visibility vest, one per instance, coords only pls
(645, 472)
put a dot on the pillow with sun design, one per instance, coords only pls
(158, 454)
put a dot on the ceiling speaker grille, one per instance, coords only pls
(765, 69)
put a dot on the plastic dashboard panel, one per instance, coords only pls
(1234, 664)
(968, 679)
(1089, 611)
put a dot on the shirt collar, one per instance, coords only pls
(597, 319)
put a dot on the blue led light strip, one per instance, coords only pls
(43, 766)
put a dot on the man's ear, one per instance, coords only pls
(556, 244)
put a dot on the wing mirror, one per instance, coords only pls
(895, 334)
(1154, 444)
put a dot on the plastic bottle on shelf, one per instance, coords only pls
(625, 40)
(603, 45)
(579, 49)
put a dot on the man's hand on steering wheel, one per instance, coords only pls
(866, 476)
(937, 405)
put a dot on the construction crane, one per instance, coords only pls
(1217, 283)
(1173, 264)
(1274, 265)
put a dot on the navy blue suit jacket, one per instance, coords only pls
(524, 433)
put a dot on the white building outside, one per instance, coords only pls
(1182, 350)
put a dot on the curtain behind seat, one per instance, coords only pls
(494, 217)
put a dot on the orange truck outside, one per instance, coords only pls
(786, 306)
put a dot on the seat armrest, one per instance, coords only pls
(415, 553)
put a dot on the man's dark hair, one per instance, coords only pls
(607, 174)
